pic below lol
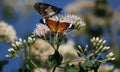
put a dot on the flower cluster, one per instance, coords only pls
(90, 57)
(44, 30)
(41, 30)
(19, 46)
(97, 49)
(7, 32)
(69, 18)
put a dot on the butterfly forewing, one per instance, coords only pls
(46, 10)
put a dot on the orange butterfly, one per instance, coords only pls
(57, 27)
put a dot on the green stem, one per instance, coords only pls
(95, 70)
(49, 42)
(32, 62)
(57, 41)
(75, 60)
(35, 65)
(52, 46)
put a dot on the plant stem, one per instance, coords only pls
(54, 68)
(95, 70)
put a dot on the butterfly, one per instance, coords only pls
(57, 26)
(46, 10)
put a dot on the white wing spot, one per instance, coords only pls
(50, 11)
(70, 25)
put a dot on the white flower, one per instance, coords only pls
(104, 41)
(112, 58)
(41, 30)
(24, 41)
(31, 40)
(13, 45)
(100, 41)
(93, 39)
(69, 18)
(7, 56)
(106, 48)
(7, 32)
(110, 55)
(10, 49)
(97, 39)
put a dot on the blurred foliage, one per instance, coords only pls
(116, 62)
(95, 30)
(70, 68)
(54, 59)
(100, 8)
(2, 63)
(8, 12)
(29, 64)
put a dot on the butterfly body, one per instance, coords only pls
(46, 10)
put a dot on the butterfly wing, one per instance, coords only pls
(46, 10)
(52, 25)
(62, 26)
(58, 27)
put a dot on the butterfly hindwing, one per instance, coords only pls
(52, 25)
(46, 10)
(62, 26)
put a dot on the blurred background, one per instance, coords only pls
(18, 19)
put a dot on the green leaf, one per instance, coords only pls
(82, 68)
(50, 64)
(50, 61)
(71, 68)
(2, 63)
(54, 59)
(88, 64)
(65, 40)
(96, 65)
(58, 58)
